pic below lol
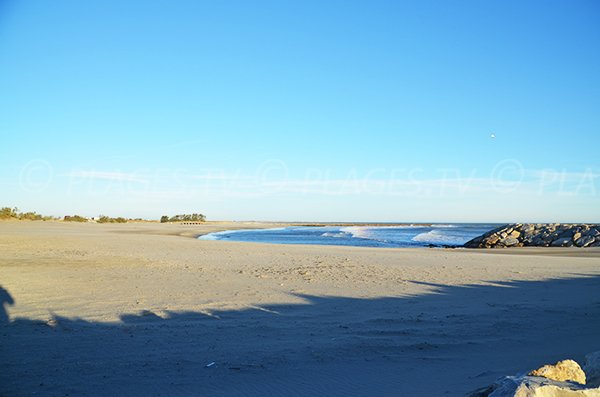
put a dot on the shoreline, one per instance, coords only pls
(197, 230)
(221, 226)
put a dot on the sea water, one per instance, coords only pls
(438, 235)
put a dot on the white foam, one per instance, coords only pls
(273, 229)
(437, 237)
(220, 235)
(357, 231)
(215, 235)
(336, 235)
(209, 236)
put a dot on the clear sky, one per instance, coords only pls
(302, 110)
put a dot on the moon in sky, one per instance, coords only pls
(492, 135)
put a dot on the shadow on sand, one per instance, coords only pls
(5, 299)
(446, 342)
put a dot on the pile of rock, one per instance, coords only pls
(563, 379)
(539, 235)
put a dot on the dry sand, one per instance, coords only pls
(142, 309)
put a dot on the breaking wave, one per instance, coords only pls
(439, 237)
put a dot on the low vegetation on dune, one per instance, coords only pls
(8, 213)
(74, 218)
(183, 218)
(107, 219)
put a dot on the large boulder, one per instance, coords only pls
(584, 241)
(563, 379)
(562, 242)
(566, 370)
(510, 241)
(534, 386)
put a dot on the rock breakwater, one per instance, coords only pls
(539, 235)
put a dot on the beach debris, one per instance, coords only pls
(565, 370)
(210, 364)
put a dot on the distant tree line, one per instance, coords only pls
(13, 213)
(75, 218)
(7, 213)
(183, 218)
(106, 219)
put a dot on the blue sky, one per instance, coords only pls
(323, 111)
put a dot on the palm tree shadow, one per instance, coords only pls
(5, 299)
(445, 342)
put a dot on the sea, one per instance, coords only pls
(392, 236)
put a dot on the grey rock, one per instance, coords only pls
(562, 242)
(527, 227)
(593, 232)
(493, 239)
(510, 241)
(566, 233)
(584, 241)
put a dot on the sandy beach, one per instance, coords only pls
(148, 310)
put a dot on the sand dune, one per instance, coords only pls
(141, 310)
